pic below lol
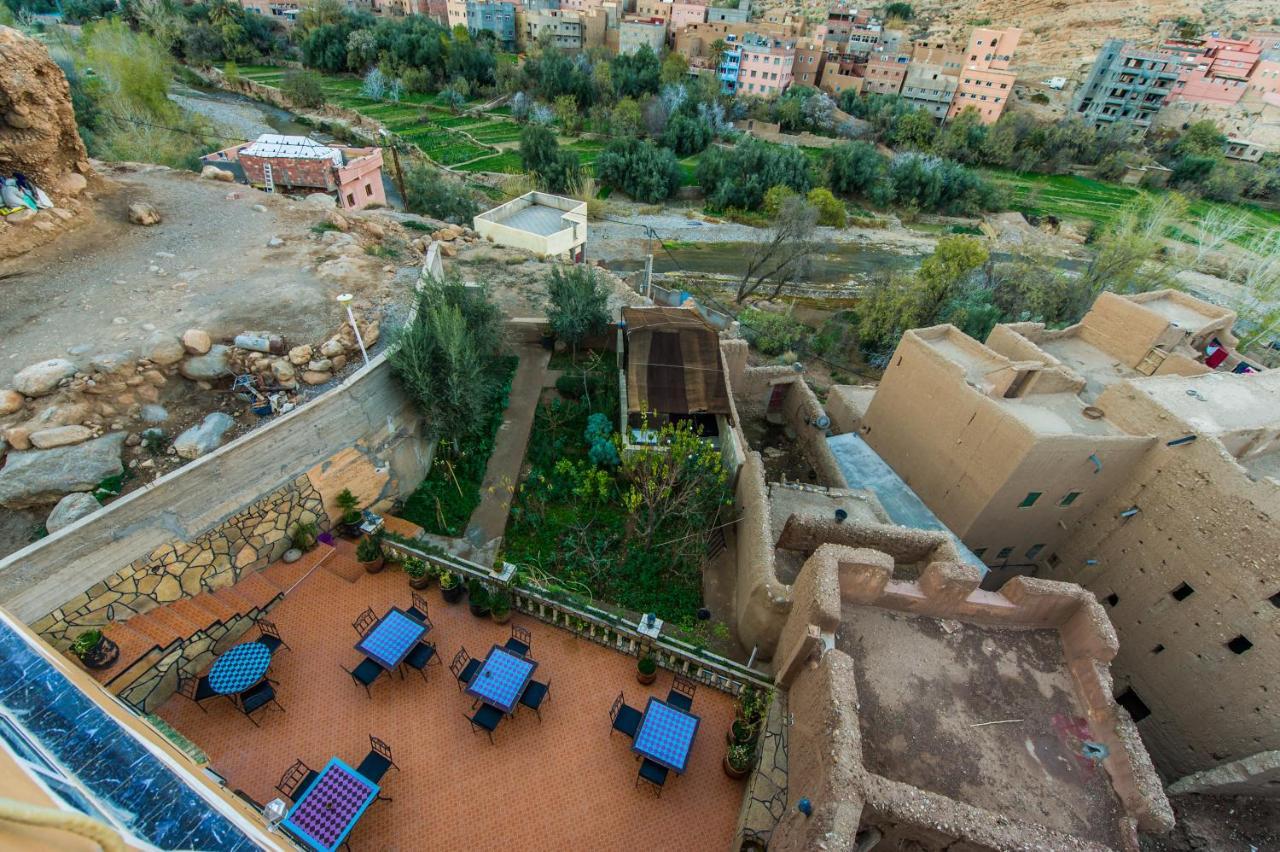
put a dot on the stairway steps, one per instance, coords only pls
(133, 645)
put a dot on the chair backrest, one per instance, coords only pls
(379, 747)
(419, 603)
(268, 628)
(364, 621)
(617, 706)
(460, 661)
(292, 777)
(187, 687)
(684, 686)
(521, 634)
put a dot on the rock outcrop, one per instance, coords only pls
(36, 477)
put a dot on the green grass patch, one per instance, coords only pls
(508, 162)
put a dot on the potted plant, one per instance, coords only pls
(95, 650)
(349, 522)
(752, 705)
(500, 606)
(419, 574)
(646, 669)
(369, 554)
(737, 760)
(450, 587)
(303, 536)
(477, 598)
(392, 557)
(741, 733)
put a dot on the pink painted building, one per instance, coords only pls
(684, 14)
(1265, 78)
(302, 165)
(1220, 74)
(986, 83)
(885, 73)
(765, 69)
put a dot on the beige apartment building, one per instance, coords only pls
(1126, 454)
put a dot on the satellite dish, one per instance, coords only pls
(822, 421)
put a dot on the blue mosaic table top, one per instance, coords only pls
(331, 807)
(122, 775)
(392, 638)
(240, 668)
(502, 679)
(666, 734)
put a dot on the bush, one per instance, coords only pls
(831, 211)
(599, 437)
(303, 88)
(556, 170)
(770, 333)
(640, 169)
(686, 134)
(855, 167)
(429, 192)
(740, 176)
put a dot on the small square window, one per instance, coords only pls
(1130, 701)
(1158, 649)
(1112, 599)
(1030, 499)
(1069, 498)
(1005, 553)
(979, 551)
(1034, 551)
(1239, 645)
(1182, 592)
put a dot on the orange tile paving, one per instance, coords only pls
(564, 784)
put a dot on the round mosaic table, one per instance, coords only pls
(240, 668)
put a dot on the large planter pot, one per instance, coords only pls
(103, 655)
(478, 610)
(420, 583)
(736, 774)
(351, 531)
(375, 566)
(646, 679)
(500, 619)
(451, 595)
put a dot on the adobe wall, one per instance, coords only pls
(1204, 523)
(761, 602)
(1126, 329)
(365, 431)
(752, 386)
(847, 405)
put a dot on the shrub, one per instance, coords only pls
(599, 438)
(774, 199)
(772, 333)
(646, 665)
(368, 549)
(579, 303)
(350, 506)
(429, 192)
(830, 211)
(640, 169)
(855, 167)
(303, 88)
(740, 176)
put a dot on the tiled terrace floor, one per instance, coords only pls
(564, 784)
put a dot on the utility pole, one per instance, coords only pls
(399, 173)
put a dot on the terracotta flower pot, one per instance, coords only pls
(375, 566)
(451, 595)
(500, 619)
(646, 679)
(736, 774)
(420, 583)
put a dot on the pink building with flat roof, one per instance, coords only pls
(684, 14)
(986, 82)
(765, 69)
(1265, 78)
(1220, 75)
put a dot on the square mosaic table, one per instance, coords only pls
(392, 638)
(502, 679)
(331, 807)
(666, 735)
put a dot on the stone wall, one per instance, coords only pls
(247, 541)
(761, 602)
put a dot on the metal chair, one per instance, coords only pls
(486, 718)
(256, 698)
(422, 655)
(652, 773)
(365, 673)
(419, 608)
(463, 667)
(681, 694)
(520, 642)
(534, 695)
(270, 636)
(296, 780)
(196, 690)
(624, 717)
(377, 762)
(365, 621)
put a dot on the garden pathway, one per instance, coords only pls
(502, 476)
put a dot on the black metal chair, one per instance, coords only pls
(377, 762)
(624, 717)
(197, 690)
(520, 642)
(463, 668)
(419, 609)
(257, 697)
(681, 694)
(486, 718)
(270, 636)
(423, 655)
(534, 695)
(365, 673)
(364, 621)
(652, 773)
(296, 780)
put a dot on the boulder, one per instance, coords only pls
(331, 347)
(196, 341)
(18, 437)
(70, 509)
(59, 436)
(43, 378)
(300, 355)
(320, 200)
(115, 362)
(215, 173)
(142, 213)
(163, 348)
(313, 377)
(205, 438)
(154, 413)
(34, 477)
(321, 365)
(213, 365)
(10, 401)
(70, 184)
(284, 372)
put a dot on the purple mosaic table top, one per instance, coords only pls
(502, 679)
(331, 807)
(666, 734)
(392, 638)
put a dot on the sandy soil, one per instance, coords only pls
(109, 285)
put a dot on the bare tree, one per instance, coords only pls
(1258, 304)
(784, 254)
(1215, 229)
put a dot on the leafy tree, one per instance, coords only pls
(81, 11)
(555, 170)
(567, 113)
(962, 138)
(302, 87)
(636, 74)
(915, 130)
(640, 169)
(362, 51)
(688, 479)
(739, 177)
(579, 304)
(774, 199)
(855, 167)
(626, 118)
(1201, 139)
(675, 68)
(430, 192)
(899, 10)
(831, 211)
(374, 85)
(1134, 238)
(686, 134)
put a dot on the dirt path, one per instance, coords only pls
(502, 475)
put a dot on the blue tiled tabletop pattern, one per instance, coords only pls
(240, 668)
(392, 638)
(666, 734)
(331, 807)
(123, 776)
(502, 679)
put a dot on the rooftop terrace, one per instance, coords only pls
(543, 785)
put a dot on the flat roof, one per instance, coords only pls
(864, 469)
(537, 219)
(296, 147)
(1180, 313)
(928, 693)
(1098, 368)
(1216, 403)
(1056, 414)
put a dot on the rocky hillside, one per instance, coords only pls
(38, 138)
